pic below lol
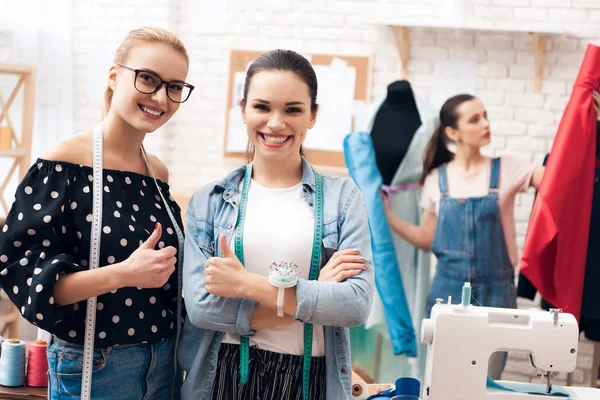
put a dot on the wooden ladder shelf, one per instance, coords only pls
(20, 153)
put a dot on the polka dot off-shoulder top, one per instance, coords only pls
(47, 233)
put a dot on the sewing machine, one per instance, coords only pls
(461, 338)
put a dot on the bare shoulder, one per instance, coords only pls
(160, 169)
(76, 149)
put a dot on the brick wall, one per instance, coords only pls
(523, 122)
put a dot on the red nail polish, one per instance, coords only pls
(156, 226)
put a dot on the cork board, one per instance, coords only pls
(319, 152)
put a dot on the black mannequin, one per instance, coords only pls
(394, 127)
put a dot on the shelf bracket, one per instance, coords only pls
(539, 47)
(402, 36)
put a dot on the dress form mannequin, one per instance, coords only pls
(394, 126)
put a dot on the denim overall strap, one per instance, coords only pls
(495, 175)
(443, 179)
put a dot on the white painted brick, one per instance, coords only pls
(562, 15)
(533, 144)
(525, 58)
(428, 53)
(424, 37)
(586, 4)
(521, 71)
(376, 35)
(530, 14)
(480, 84)
(497, 41)
(473, 55)
(569, 74)
(518, 3)
(594, 15)
(275, 31)
(423, 67)
(525, 100)
(551, 3)
(565, 44)
(533, 115)
(509, 128)
(522, 368)
(501, 56)
(508, 85)
(455, 39)
(325, 46)
(492, 70)
(417, 10)
(307, 5)
(541, 130)
(495, 13)
(498, 142)
(501, 112)
(299, 19)
(258, 17)
(491, 98)
(549, 87)
(556, 103)
(278, 6)
(523, 42)
(309, 32)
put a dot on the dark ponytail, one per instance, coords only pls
(437, 152)
(282, 60)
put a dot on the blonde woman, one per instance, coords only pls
(45, 245)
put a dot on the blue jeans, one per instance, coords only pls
(137, 371)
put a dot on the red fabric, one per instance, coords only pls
(556, 246)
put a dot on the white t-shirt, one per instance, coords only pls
(515, 177)
(279, 226)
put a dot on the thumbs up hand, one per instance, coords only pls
(147, 267)
(225, 276)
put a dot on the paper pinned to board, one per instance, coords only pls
(450, 78)
(337, 83)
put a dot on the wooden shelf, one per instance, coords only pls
(401, 29)
(13, 153)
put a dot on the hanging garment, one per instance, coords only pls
(589, 321)
(377, 347)
(555, 250)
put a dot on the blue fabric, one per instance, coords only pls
(527, 388)
(359, 155)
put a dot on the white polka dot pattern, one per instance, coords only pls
(52, 211)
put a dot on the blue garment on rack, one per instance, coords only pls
(359, 155)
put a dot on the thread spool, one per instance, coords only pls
(12, 363)
(37, 364)
(360, 391)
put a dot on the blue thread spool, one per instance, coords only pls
(12, 363)
(407, 389)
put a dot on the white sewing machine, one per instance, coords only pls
(461, 338)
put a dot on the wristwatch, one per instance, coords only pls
(283, 275)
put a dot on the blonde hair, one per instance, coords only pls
(144, 35)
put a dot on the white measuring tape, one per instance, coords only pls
(90, 317)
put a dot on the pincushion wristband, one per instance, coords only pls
(283, 275)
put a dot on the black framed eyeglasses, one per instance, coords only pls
(148, 82)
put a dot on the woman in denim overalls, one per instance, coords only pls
(462, 224)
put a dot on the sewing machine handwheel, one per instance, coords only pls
(427, 327)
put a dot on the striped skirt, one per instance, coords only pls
(271, 376)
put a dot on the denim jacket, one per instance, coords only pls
(337, 306)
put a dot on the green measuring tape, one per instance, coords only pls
(314, 273)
